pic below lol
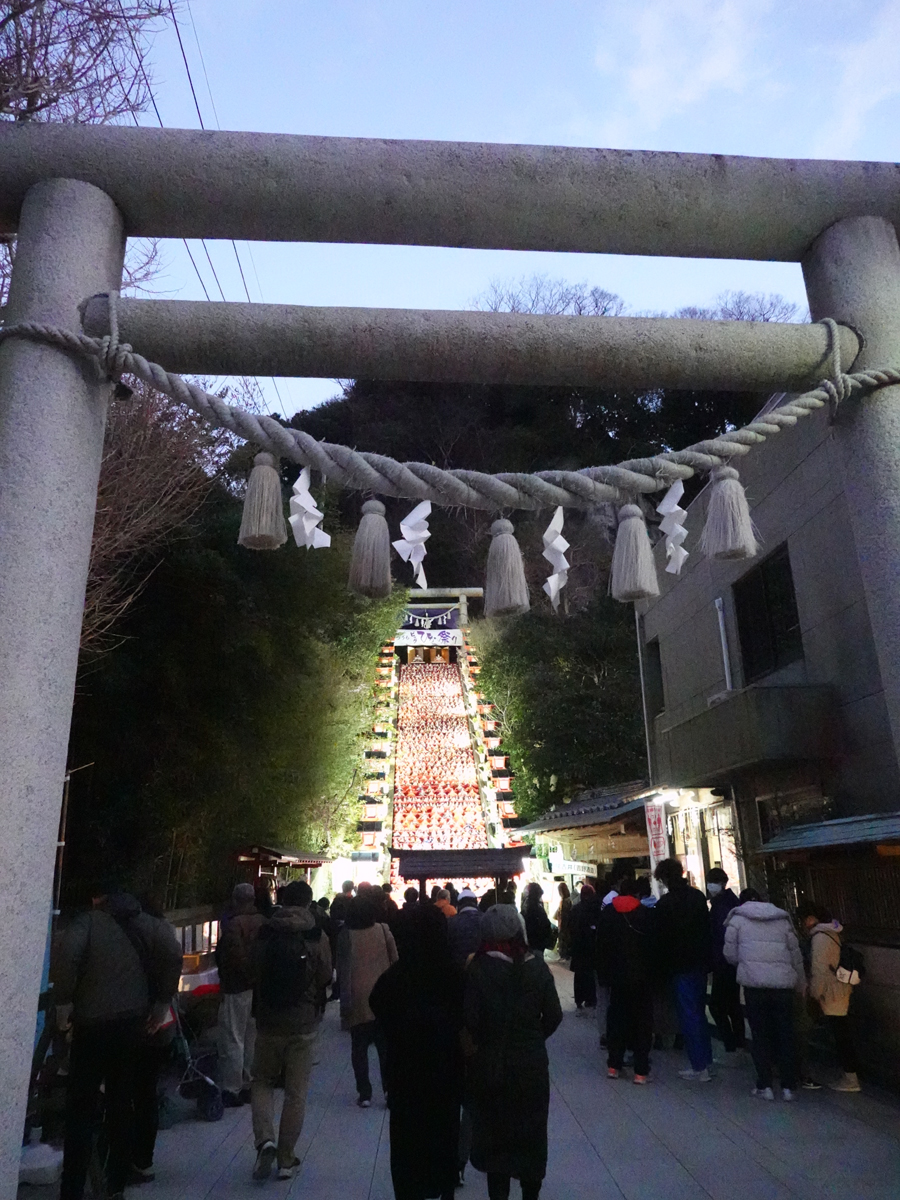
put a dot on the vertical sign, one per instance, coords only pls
(657, 837)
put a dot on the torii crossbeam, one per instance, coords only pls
(73, 193)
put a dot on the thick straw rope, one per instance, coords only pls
(380, 475)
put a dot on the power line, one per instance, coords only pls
(187, 67)
(203, 64)
(143, 71)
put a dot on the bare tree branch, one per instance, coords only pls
(75, 60)
(541, 294)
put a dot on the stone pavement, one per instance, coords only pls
(608, 1140)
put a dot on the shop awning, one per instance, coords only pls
(597, 807)
(847, 831)
(273, 855)
(460, 864)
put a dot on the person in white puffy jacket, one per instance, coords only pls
(760, 941)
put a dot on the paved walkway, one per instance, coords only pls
(608, 1141)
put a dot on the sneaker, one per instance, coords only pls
(641, 1079)
(696, 1076)
(141, 1174)
(810, 1085)
(232, 1100)
(787, 1095)
(364, 1103)
(288, 1172)
(265, 1157)
(763, 1093)
(848, 1082)
(613, 1073)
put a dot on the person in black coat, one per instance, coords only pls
(585, 916)
(685, 934)
(539, 933)
(418, 1002)
(511, 1008)
(628, 963)
(725, 996)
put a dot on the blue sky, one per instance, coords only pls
(795, 78)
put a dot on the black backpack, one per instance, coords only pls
(283, 967)
(851, 966)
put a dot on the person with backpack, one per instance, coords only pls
(292, 966)
(236, 1026)
(834, 971)
(114, 977)
(366, 949)
(628, 964)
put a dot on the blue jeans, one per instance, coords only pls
(690, 996)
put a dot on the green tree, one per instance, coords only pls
(232, 712)
(568, 698)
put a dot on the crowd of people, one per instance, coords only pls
(644, 964)
(455, 997)
(450, 995)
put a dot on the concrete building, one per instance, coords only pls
(762, 686)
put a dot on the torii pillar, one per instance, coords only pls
(52, 421)
(852, 273)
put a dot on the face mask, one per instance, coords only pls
(714, 888)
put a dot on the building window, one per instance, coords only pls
(799, 806)
(768, 624)
(653, 679)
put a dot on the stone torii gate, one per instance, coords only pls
(72, 194)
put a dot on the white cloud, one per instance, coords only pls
(867, 75)
(662, 58)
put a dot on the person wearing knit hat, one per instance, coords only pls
(464, 930)
(501, 924)
(511, 1008)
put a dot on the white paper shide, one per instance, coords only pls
(555, 547)
(305, 516)
(411, 547)
(672, 525)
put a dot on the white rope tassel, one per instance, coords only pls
(505, 589)
(728, 532)
(411, 547)
(672, 525)
(633, 570)
(262, 521)
(305, 516)
(555, 547)
(370, 563)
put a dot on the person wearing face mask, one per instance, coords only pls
(725, 998)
